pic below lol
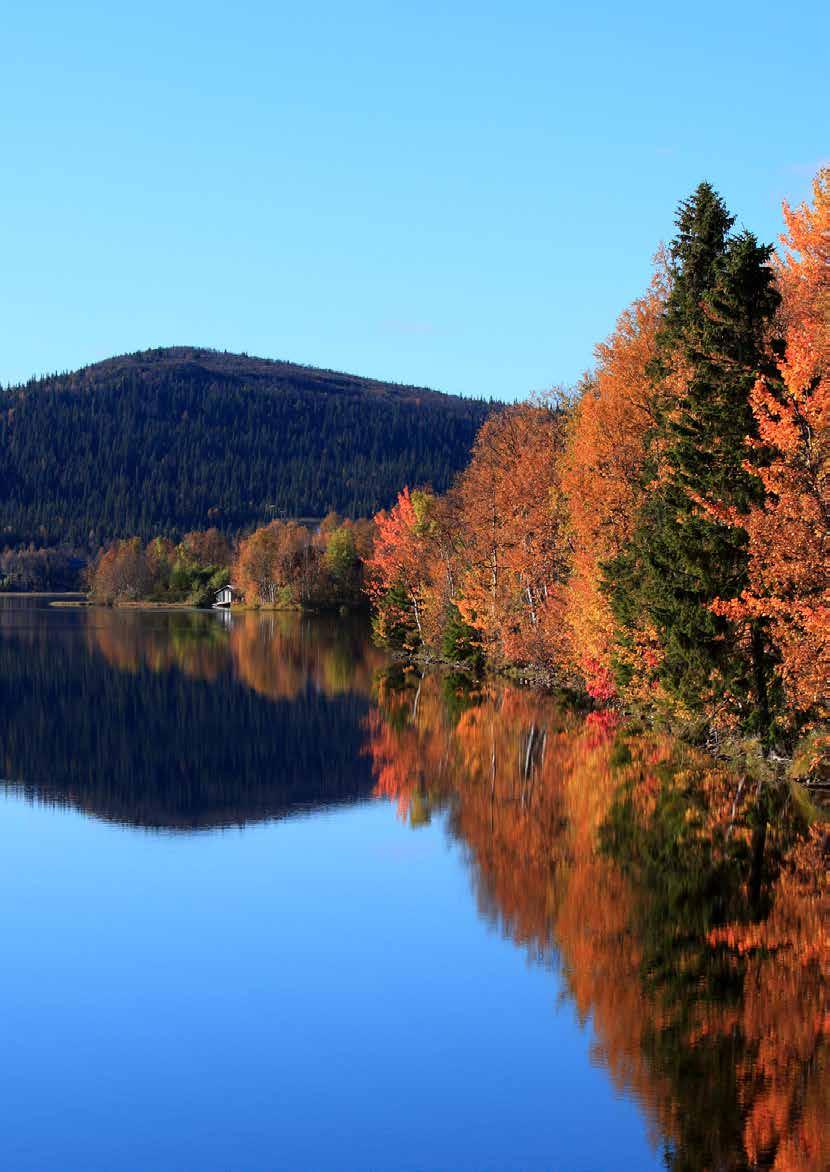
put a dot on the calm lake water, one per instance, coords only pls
(268, 902)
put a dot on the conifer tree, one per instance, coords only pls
(685, 554)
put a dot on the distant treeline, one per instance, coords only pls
(30, 568)
(279, 565)
(168, 441)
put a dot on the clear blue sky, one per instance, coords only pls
(462, 195)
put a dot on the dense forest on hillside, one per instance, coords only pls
(164, 441)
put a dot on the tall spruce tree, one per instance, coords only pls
(711, 348)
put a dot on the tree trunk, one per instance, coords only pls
(760, 662)
(417, 610)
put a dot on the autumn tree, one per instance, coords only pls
(206, 547)
(513, 535)
(789, 530)
(398, 574)
(273, 564)
(363, 530)
(602, 477)
(121, 572)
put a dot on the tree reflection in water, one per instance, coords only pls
(279, 654)
(624, 858)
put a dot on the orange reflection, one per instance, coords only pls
(626, 858)
(278, 654)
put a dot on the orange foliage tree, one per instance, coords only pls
(789, 533)
(399, 570)
(513, 550)
(271, 564)
(121, 572)
(602, 476)
(206, 547)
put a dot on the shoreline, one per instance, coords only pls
(733, 753)
(77, 599)
(42, 594)
(84, 603)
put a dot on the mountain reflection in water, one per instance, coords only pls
(176, 721)
(618, 858)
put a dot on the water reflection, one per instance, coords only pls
(618, 858)
(624, 858)
(173, 720)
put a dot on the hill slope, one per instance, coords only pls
(164, 441)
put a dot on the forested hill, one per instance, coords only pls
(168, 440)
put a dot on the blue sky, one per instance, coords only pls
(460, 195)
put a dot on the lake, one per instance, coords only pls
(270, 901)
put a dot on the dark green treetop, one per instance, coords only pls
(685, 554)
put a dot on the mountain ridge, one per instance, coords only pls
(177, 438)
(231, 364)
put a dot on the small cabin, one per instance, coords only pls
(227, 596)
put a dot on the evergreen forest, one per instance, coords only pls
(170, 440)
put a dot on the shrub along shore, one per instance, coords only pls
(280, 566)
